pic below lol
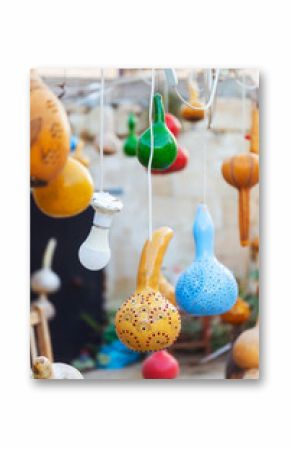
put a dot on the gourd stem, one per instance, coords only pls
(158, 109)
(244, 215)
(151, 259)
(49, 253)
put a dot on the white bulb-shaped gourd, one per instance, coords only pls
(95, 253)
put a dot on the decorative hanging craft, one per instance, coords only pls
(42, 368)
(193, 115)
(45, 281)
(238, 314)
(207, 287)
(49, 133)
(111, 143)
(147, 321)
(165, 146)
(179, 164)
(166, 289)
(242, 172)
(173, 124)
(254, 135)
(160, 365)
(131, 143)
(68, 194)
(95, 253)
(246, 349)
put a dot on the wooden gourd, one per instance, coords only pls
(42, 368)
(242, 172)
(193, 115)
(238, 314)
(147, 321)
(67, 195)
(246, 349)
(49, 133)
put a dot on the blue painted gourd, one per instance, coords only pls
(206, 287)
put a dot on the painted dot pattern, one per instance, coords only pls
(147, 322)
(206, 288)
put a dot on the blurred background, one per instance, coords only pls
(82, 329)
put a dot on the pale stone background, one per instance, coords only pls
(175, 199)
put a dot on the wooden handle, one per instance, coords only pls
(244, 216)
(151, 259)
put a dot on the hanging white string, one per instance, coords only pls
(211, 98)
(101, 139)
(166, 95)
(149, 177)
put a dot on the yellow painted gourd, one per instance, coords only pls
(246, 349)
(193, 115)
(78, 154)
(67, 195)
(147, 321)
(49, 133)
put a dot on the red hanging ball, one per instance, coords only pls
(248, 136)
(180, 163)
(160, 365)
(173, 124)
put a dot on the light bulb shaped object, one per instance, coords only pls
(147, 321)
(95, 253)
(207, 287)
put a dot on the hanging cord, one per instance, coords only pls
(166, 95)
(211, 98)
(101, 139)
(149, 177)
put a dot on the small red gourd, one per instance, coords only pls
(179, 164)
(160, 365)
(173, 124)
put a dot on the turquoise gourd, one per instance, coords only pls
(207, 287)
(131, 143)
(165, 146)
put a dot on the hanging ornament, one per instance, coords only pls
(42, 368)
(193, 115)
(242, 172)
(238, 314)
(179, 164)
(131, 143)
(49, 133)
(246, 349)
(45, 281)
(111, 143)
(207, 287)
(254, 135)
(95, 253)
(78, 154)
(73, 142)
(160, 365)
(173, 124)
(147, 321)
(68, 194)
(165, 146)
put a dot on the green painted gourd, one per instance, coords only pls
(165, 146)
(131, 143)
